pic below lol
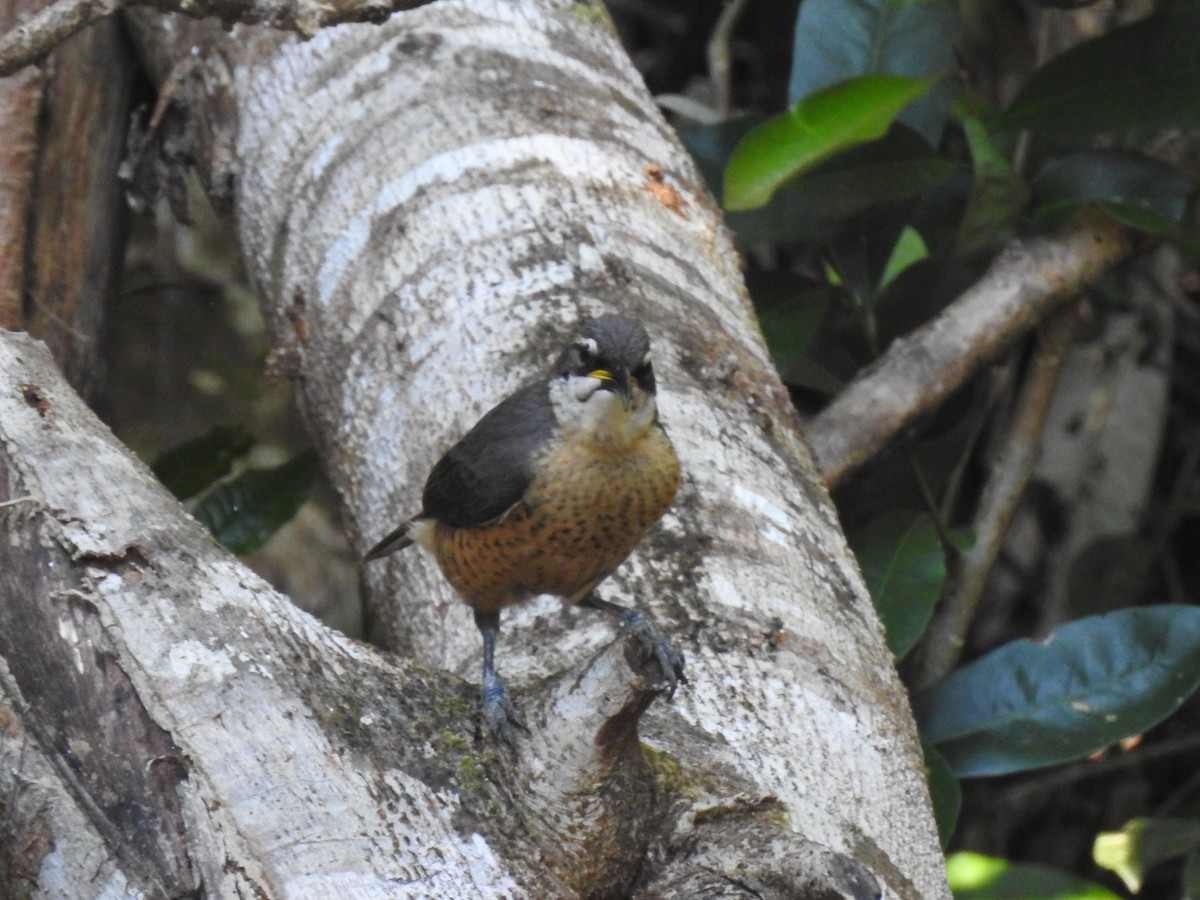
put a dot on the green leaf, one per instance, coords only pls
(839, 39)
(944, 791)
(1090, 684)
(919, 293)
(792, 311)
(910, 249)
(245, 512)
(974, 876)
(791, 325)
(814, 204)
(1142, 844)
(1142, 75)
(844, 115)
(898, 166)
(189, 468)
(998, 195)
(713, 145)
(904, 567)
(1137, 190)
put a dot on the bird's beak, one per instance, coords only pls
(624, 387)
(617, 381)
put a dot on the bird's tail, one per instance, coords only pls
(397, 540)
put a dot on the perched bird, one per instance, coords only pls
(548, 494)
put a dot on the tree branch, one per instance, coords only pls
(429, 208)
(188, 717)
(918, 372)
(34, 39)
(1008, 476)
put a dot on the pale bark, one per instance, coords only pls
(171, 725)
(428, 208)
(174, 723)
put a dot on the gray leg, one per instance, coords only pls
(651, 643)
(498, 710)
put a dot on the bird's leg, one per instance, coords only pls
(498, 710)
(651, 643)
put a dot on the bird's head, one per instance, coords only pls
(603, 385)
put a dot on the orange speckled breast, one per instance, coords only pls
(586, 510)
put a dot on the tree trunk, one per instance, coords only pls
(428, 207)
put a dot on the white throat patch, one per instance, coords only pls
(583, 410)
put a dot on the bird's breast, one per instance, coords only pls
(627, 483)
(588, 506)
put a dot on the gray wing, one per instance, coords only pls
(491, 468)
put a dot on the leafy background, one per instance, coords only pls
(873, 157)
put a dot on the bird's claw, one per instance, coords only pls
(498, 711)
(653, 645)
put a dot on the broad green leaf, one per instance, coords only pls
(189, 468)
(1137, 190)
(1142, 75)
(795, 316)
(1090, 684)
(974, 876)
(813, 205)
(840, 39)
(841, 116)
(909, 250)
(998, 195)
(905, 567)
(944, 791)
(789, 326)
(898, 166)
(713, 145)
(244, 513)
(1142, 844)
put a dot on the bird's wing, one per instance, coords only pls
(490, 469)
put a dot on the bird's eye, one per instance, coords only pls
(586, 348)
(586, 353)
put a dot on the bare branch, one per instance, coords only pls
(920, 371)
(1005, 486)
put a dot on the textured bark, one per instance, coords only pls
(170, 726)
(61, 206)
(20, 101)
(57, 22)
(172, 723)
(428, 208)
(77, 225)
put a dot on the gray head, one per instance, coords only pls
(603, 382)
(616, 350)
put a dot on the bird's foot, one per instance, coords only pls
(499, 714)
(652, 645)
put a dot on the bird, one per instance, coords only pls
(549, 492)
